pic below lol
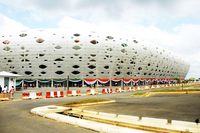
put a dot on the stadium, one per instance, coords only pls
(49, 58)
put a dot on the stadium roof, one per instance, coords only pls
(8, 74)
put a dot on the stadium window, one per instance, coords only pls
(93, 41)
(28, 72)
(139, 68)
(76, 34)
(59, 72)
(91, 66)
(76, 47)
(75, 72)
(40, 40)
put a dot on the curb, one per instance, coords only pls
(92, 125)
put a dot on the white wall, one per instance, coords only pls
(12, 82)
(2, 81)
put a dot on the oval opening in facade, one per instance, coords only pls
(91, 66)
(42, 66)
(93, 41)
(59, 72)
(28, 72)
(40, 40)
(75, 72)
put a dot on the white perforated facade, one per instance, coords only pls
(55, 54)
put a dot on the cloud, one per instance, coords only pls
(10, 25)
(74, 24)
(133, 11)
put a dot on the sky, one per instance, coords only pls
(171, 24)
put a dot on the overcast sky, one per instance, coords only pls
(171, 24)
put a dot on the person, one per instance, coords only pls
(0, 89)
(5, 89)
(11, 91)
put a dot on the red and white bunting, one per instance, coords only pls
(135, 80)
(90, 81)
(126, 81)
(116, 80)
(103, 81)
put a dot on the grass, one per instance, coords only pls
(84, 101)
(174, 89)
(139, 94)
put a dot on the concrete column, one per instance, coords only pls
(83, 83)
(110, 83)
(131, 83)
(36, 83)
(51, 82)
(97, 83)
(14, 83)
(23, 84)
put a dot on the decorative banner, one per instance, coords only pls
(116, 80)
(135, 80)
(142, 79)
(103, 81)
(126, 81)
(29, 81)
(18, 82)
(44, 81)
(153, 80)
(148, 80)
(75, 80)
(59, 81)
(90, 81)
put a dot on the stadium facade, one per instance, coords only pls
(48, 56)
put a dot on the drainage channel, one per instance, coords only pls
(78, 113)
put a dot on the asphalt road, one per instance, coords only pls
(185, 107)
(15, 116)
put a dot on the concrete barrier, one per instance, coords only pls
(128, 117)
(107, 90)
(96, 126)
(91, 92)
(128, 89)
(73, 93)
(154, 120)
(185, 124)
(31, 95)
(117, 90)
(107, 114)
(152, 123)
(54, 94)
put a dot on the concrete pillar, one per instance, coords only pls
(36, 83)
(23, 84)
(14, 83)
(52, 83)
(131, 83)
(97, 83)
(83, 83)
